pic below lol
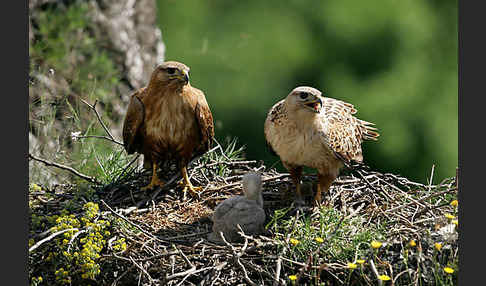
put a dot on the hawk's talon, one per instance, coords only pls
(154, 183)
(193, 191)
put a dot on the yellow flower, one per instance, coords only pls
(448, 270)
(449, 216)
(352, 265)
(454, 203)
(319, 239)
(438, 245)
(376, 244)
(294, 241)
(455, 221)
(384, 277)
(360, 261)
(36, 187)
(39, 278)
(293, 277)
(413, 243)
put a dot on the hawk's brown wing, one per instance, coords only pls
(133, 120)
(204, 118)
(345, 132)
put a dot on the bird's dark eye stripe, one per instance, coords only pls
(171, 70)
(304, 95)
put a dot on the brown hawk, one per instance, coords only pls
(306, 129)
(168, 119)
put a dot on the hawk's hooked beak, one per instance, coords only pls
(181, 76)
(315, 105)
(185, 76)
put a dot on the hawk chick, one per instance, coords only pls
(247, 211)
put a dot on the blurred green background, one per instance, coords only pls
(396, 61)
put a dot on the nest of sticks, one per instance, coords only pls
(168, 229)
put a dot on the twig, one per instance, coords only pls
(431, 177)
(239, 184)
(67, 168)
(40, 242)
(187, 235)
(279, 259)
(373, 267)
(93, 107)
(237, 258)
(73, 238)
(100, 137)
(193, 267)
(131, 223)
(143, 270)
(121, 276)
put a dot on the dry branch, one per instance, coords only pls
(67, 168)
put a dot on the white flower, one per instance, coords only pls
(75, 135)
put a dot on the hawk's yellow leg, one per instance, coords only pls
(325, 182)
(155, 180)
(186, 183)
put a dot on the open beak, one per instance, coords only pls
(315, 105)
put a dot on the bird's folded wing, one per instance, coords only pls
(244, 212)
(204, 118)
(251, 220)
(225, 207)
(133, 120)
(344, 132)
(273, 116)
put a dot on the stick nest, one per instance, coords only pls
(166, 229)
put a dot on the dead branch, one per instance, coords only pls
(67, 168)
(40, 242)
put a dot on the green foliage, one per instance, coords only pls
(352, 243)
(66, 45)
(229, 152)
(68, 55)
(344, 238)
(395, 61)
